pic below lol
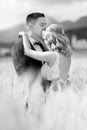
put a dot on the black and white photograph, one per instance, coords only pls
(43, 65)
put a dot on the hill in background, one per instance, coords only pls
(11, 34)
(9, 37)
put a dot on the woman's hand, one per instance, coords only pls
(22, 34)
(26, 43)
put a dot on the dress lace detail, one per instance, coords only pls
(53, 72)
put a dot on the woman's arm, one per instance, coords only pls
(48, 56)
(24, 36)
(26, 42)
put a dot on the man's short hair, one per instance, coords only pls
(34, 16)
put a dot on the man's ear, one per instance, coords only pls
(31, 26)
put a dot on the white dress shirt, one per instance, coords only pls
(37, 47)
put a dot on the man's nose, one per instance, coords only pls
(44, 28)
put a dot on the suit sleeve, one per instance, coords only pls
(20, 61)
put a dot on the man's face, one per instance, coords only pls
(39, 26)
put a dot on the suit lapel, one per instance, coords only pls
(36, 45)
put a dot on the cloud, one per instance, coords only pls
(13, 12)
(49, 2)
(62, 12)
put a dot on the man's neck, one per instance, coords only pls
(37, 38)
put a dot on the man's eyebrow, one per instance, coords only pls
(43, 23)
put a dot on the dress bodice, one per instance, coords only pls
(53, 72)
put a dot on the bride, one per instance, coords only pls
(55, 68)
(56, 61)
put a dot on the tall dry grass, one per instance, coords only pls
(68, 109)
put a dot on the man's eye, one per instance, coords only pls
(41, 24)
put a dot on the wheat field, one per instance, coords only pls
(71, 108)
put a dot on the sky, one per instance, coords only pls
(13, 12)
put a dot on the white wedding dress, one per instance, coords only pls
(53, 73)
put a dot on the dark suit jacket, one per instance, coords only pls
(22, 62)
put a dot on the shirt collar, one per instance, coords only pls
(33, 41)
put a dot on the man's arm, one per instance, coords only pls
(23, 62)
(20, 61)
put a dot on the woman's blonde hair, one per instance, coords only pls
(58, 35)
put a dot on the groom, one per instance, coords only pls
(36, 23)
